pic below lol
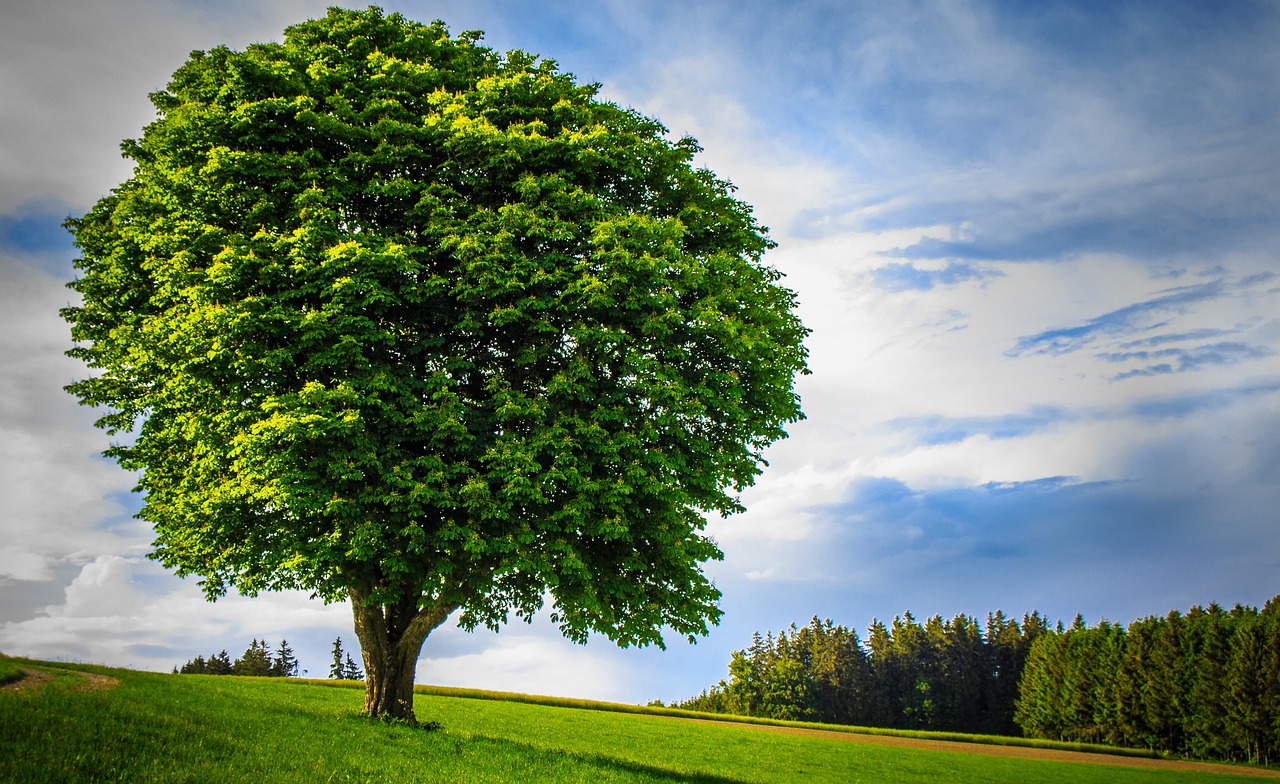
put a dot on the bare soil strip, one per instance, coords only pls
(30, 679)
(1022, 752)
(34, 679)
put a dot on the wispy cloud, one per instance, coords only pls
(1180, 360)
(1131, 318)
(1200, 402)
(933, 430)
(909, 277)
(1180, 337)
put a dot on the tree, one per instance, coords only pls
(351, 672)
(398, 320)
(255, 661)
(285, 664)
(220, 663)
(338, 670)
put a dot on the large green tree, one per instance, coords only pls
(387, 316)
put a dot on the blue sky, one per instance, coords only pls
(1036, 244)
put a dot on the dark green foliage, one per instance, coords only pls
(337, 669)
(256, 661)
(284, 664)
(343, 669)
(351, 672)
(220, 663)
(1204, 685)
(944, 675)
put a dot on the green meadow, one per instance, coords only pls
(155, 727)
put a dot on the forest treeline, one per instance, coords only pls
(1204, 685)
(258, 660)
(955, 675)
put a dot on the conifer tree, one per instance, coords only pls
(1209, 719)
(350, 671)
(285, 664)
(220, 663)
(337, 669)
(1250, 713)
(255, 661)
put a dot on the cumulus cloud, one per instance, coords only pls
(58, 498)
(127, 611)
(1052, 544)
(527, 658)
(1035, 250)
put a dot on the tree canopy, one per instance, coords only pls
(951, 675)
(385, 315)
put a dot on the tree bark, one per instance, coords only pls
(391, 637)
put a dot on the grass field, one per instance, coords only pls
(9, 671)
(185, 728)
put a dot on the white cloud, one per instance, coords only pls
(530, 659)
(128, 612)
(57, 495)
(946, 136)
(19, 564)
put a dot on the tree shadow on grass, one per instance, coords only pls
(618, 764)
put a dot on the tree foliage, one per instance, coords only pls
(285, 663)
(256, 660)
(942, 675)
(1205, 684)
(343, 667)
(393, 318)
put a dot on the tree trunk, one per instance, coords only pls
(391, 637)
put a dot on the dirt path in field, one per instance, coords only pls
(34, 679)
(1023, 752)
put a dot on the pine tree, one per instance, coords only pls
(884, 675)
(1038, 709)
(1006, 648)
(350, 671)
(220, 663)
(337, 670)
(1249, 711)
(255, 661)
(1167, 683)
(965, 676)
(788, 680)
(1207, 728)
(285, 664)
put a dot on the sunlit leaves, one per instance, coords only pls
(388, 312)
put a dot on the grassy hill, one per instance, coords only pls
(149, 727)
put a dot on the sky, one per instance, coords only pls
(1035, 244)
